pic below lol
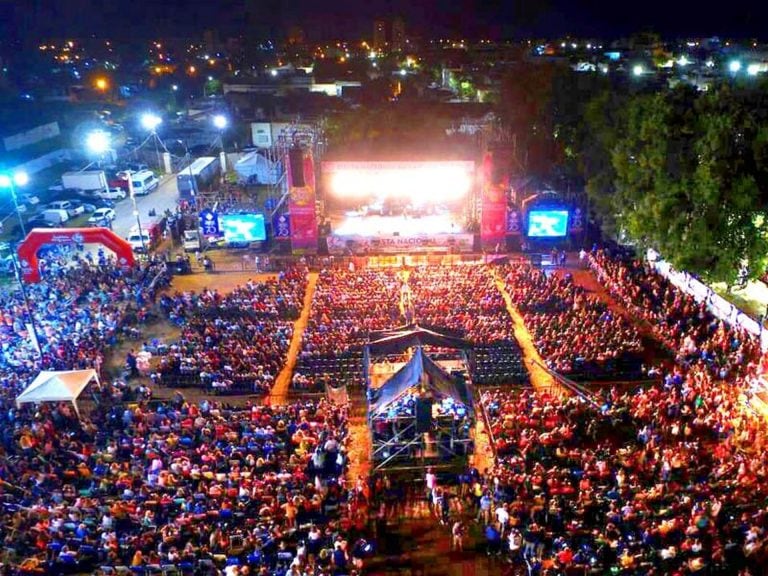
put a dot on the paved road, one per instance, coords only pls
(165, 197)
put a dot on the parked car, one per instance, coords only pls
(111, 194)
(7, 264)
(29, 199)
(41, 221)
(67, 205)
(88, 206)
(102, 217)
(135, 167)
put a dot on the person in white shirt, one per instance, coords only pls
(502, 517)
(515, 540)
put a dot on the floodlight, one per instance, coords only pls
(151, 121)
(97, 142)
(21, 178)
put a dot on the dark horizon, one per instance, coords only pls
(353, 19)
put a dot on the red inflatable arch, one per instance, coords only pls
(30, 265)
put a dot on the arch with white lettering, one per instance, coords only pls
(39, 237)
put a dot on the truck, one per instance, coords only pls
(152, 232)
(193, 240)
(86, 180)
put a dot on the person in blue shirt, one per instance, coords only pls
(492, 540)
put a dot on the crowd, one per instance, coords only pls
(463, 299)
(666, 479)
(685, 326)
(235, 342)
(201, 487)
(79, 309)
(574, 331)
(346, 307)
(466, 301)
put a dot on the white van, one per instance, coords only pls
(144, 182)
(70, 208)
(55, 215)
(139, 244)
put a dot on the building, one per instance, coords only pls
(398, 35)
(211, 41)
(379, 35)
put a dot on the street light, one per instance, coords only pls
(10, 181)
(193, 181)
(97, 142)
(132, 194)
(151, 122)
(638, 70)
(734, 66)
(220, 122)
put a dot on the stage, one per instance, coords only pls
(396, 207)
(360, 224)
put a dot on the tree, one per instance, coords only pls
(687, 168)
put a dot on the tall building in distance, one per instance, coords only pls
(379, 34)
(397, 43)
(389, 35)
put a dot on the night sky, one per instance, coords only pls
(353, 18)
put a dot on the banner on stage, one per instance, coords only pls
(398, 244)
(301, 206)
(493, 209)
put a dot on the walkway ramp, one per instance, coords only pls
(359, 444)
(540, 379)
(279, 394)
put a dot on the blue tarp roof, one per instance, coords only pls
(420, 368)
(400, 339)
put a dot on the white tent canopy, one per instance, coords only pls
(57, 386)
(257, 169)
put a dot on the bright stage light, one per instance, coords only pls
(422, 183)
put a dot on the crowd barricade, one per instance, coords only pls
(716, 304)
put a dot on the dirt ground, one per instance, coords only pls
(164, 331)
(224, 282)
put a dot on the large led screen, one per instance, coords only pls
(241, 228)
(547, 223)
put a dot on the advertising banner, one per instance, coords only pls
(209, 223)
(514, 224)
(577, 221)
(301, 205)
(400, 244)
(493, 208)
(303, 233)
(281, 224)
